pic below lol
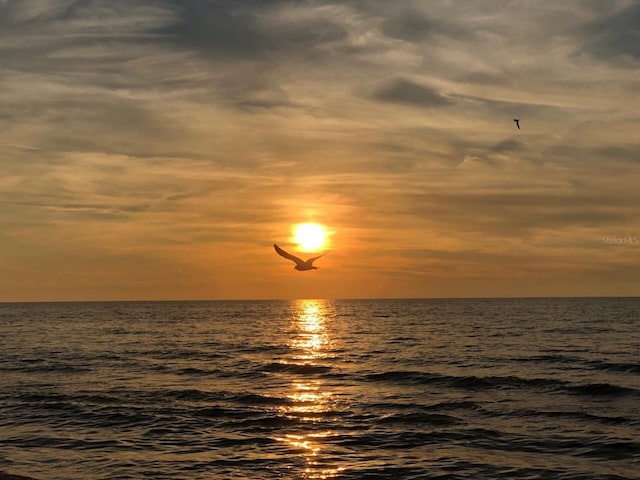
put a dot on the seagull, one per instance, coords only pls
(301, 265)
(517, 120)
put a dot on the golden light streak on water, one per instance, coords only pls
(309, 396)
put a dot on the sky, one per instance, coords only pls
(156, 149)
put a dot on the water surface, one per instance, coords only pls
(411, 389)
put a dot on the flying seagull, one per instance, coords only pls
(301, 265)
(517, 120)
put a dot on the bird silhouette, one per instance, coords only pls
(517, 120)
(301, 265)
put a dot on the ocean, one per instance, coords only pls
(322, 389)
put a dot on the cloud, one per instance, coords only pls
(410, 25)
(406, 92)
(615, 37)
(506, 146)
(252, 30)
(26, 12)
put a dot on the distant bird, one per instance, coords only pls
(517, 120)
(301, 265)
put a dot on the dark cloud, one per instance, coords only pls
(407, 92)
(615, 36)
(247, 43)
(263, 104)
(620, 153)
(412, 25)
(409, 25)
(106, 124)
(231, 29)
(507, 146)
(485, 78)
(20, 13)
(409, 21)
(616, 159)
(74, 21)
(78, 43)
(513, 214)
(260, 95)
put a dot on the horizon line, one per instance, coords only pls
(532, 297)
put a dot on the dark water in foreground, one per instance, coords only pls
(403, 389)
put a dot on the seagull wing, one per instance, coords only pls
(287, 255)
(311, 260)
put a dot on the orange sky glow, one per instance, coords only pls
(157, 150)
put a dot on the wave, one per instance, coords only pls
(46, 368)
(472, 382)
(419, 419)
(199, 396)
(184, 354)
(268, 423)
(299, 368)
(447, 405)
(197, 371)
(629, 367)
(63, 443)
(221, 412)
(455, 405)
(601, 448)
(573, 415)
(258, 399)
(615, 367)
(549, 358)
(601, 389)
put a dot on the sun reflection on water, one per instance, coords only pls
(311, 329)
(309, 395)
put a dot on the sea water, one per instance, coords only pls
(318, 389)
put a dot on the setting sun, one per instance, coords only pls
(309, 236)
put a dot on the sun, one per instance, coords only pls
(309, 236)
